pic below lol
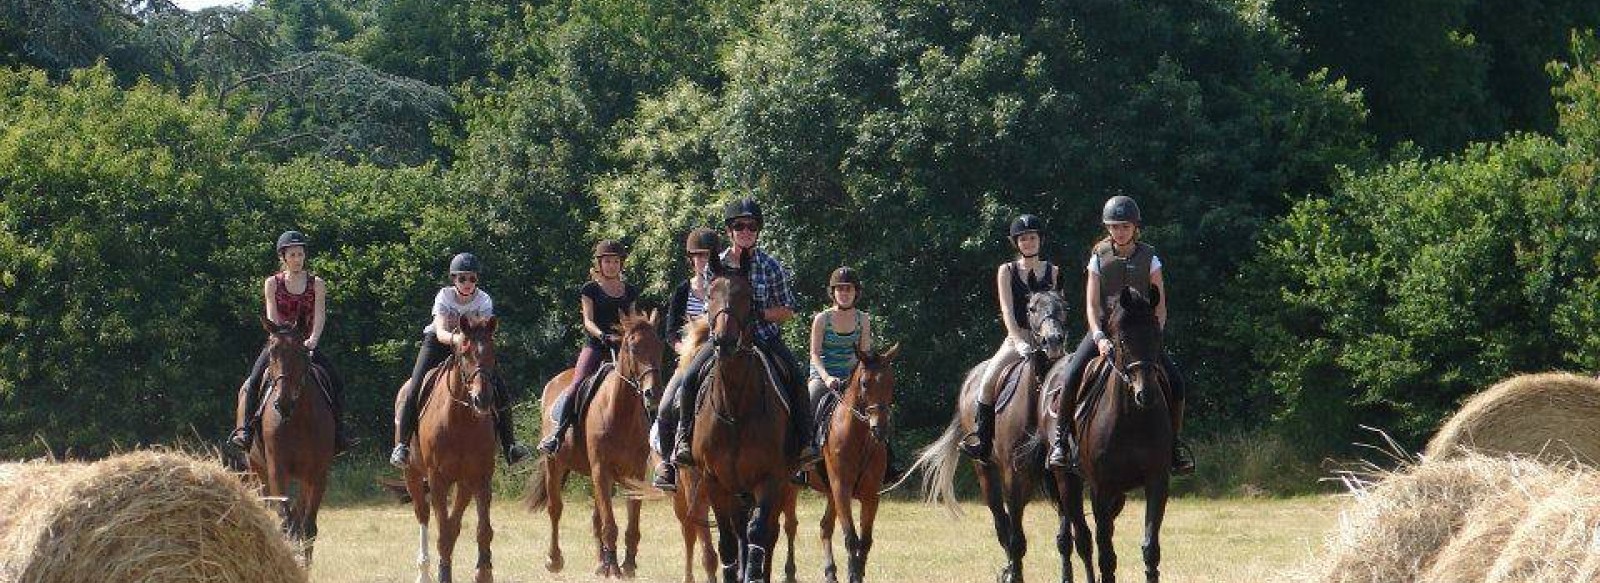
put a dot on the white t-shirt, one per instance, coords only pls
(479, 307)
(1094, 264)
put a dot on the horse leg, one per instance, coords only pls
(1155, 509)
(418, 490)
(701, 514)
(630, 565)
(1016, 503)
(762, 534)
(485, 498)
(555, 474)
(605, 522)
(445, 541)
(1058, 490)
(830, 570)
(728, 529)
(869, 514)
(686, 528)
(1106, 508)
(989, 483)
(791, 523)
(1080, 525)
(839, 497)
(311, 493)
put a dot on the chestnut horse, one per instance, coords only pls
(296, 444)
(1125, 438)
(854, 460)
(454, 450)
(740, 432)
(612, 446)
(689, 501)
(1016, 464)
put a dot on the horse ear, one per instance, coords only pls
(1155, 296)
(1126, 297)
(490, 326)
(718, 268)
(267, 325)
(655, 318)
(892, 353)
(466, 325)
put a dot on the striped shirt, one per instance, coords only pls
(838, 351)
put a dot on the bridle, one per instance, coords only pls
(466, 378)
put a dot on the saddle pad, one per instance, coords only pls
(824, 416)
(1010, 379)
(1096, 377)
(583, 396)
(428, 382)
(772, 378)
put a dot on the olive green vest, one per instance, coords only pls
(1120, 272)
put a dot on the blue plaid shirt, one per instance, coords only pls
(770, 282)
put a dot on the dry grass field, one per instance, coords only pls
(1234, 540)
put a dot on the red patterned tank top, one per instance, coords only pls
(299, 308)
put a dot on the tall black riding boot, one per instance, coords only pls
(984, 431)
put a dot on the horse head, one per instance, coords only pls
(476, 366)
(289, 364)
(1136, 336)
(639, 358)
(1047, 316)
(874, 382)
(730, 305)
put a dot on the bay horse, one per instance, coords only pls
(1016, 464)
(612, 446)
(1124, 438)
(740, 432)
(854, 461)
(454, 449)
(296, 444)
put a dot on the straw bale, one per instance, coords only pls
(141, 517)
(1552, 416)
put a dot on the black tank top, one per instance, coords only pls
(1021, 289)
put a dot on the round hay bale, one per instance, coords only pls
(142, 517)
(1395, 528)
(1550, 416)
(1488, 527)
(1555, 537)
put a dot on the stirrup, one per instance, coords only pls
(516, 453)
(1182, 459)
(401, 456)
(972, 446)
(551, 443)
(666, 478)
(241, 438)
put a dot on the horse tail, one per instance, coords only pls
(538, 495)
(939, 462)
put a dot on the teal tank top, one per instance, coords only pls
(838, 350)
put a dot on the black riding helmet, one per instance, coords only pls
(609, 247)
(1120, 210)
(292, 239)
(702, 240)
(844, 276)
(465, 263)
(1025, 224)
(744, 208)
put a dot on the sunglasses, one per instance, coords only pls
(739, 226)
(466, 278)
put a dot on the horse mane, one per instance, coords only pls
(695, 333)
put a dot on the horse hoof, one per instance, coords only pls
(554, 564)
(484, 576)
(629, 569)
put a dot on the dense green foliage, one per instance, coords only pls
(147, 162)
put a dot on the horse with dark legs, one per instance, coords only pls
(296, 446)
(612, 448)
(1124, 438)
(854, 463)
(1016, 465)
(740, 433)
(454, 450)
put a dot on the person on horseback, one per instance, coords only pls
(833, 353)
(774, 303)
(1015, 281)
(1118, 261)
(462, 299)
(604, 298)
(687, 304)
(307, 310)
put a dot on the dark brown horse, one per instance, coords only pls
(739, 432)
(854, 460)
(1125, 439)
(296, 445)
(454, 450)
(1016, 465)
(612, 447)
